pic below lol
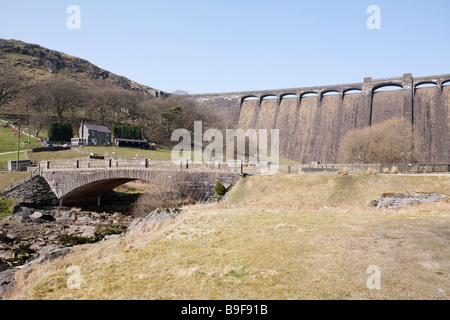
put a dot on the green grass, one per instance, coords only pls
(56, 155)
(156, 155)
(4, 158)
(6, 206)
(8, 141)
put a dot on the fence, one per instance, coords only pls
(417, 168)
(244, 168)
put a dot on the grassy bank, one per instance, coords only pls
(9, 140)
(275, 237)
(6, 206)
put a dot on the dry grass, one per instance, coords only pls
(275, 237)
(8, 179)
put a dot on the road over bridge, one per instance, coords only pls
(75, 182)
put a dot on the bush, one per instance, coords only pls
(128, 132)
(163, 192)
(220, 189)
(60, 132)
(371, 171)
(392, 141)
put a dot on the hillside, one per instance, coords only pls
(37, 63)
(275, 237)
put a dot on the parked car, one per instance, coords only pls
(47, 144)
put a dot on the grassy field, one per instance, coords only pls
(274, 237)
(4, 158)
(156, 155)
(9, 140)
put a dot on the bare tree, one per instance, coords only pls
(39, 120)
(391, 141)
(63, 94)
(9, 85)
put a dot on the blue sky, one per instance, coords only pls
(237, 45)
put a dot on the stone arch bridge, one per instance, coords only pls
(76, 182)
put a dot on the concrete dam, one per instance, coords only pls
(313, 120)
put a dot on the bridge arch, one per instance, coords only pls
(425, 84)
(351, 91)
(386, 87)
(269, 96)
(330, 92)
(92, 192)
(248, 98)
(287, 96)
(307, 94)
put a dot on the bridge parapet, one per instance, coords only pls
(144, 164)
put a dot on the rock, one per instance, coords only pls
(398, 200)
(81, 231)
(152, 220)
(84, 217)
(5, 255)
(48, 253)
(22, 211)
(111, 236)
(6, 281)
(65, 216)
(42, 216)
(4, 246)
(17, 218)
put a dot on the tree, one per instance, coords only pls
(38, 121)
(128, 132)
(170, 115)
(62, 94)
(60, 131)
(9, 85)
(391, 141)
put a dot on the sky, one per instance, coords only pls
(211, 46)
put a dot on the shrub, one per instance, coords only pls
(162, 192)
(386, 170)
(220, 189)
(394, 170)
(343, 171)
(371, 171)
(60, 131)
(392, 141)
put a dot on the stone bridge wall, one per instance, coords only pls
(71, 186)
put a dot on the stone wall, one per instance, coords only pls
(33, 191)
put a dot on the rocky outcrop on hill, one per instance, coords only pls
(27, 57)
(152, 221)
(398, 200)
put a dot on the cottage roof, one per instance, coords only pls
(97, 128)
